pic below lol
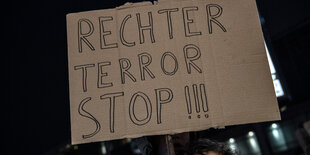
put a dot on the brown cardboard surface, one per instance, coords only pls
(144, 69)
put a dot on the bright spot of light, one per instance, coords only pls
(276, 82)
(103, 149)
(275, 133)
(231, 140)
(254, 144)
(232, 144)
(251, 133)
(274, 125)
(272, 69)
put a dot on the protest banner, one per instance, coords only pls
(149, 69)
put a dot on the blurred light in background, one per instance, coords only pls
(232, 144)
(103, 148)
(276, 82)
(276, 132)
(246, 144)
(274, 125)
(253, 143)
(276, 138)
(231, 140)
(251, 133)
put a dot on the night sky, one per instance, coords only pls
(36, 116)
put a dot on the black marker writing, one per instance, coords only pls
(200, 99)
(189, 60)
(203, 97)
(122, 28)
(169, 21)
(212, 17)
(145, 60)
(102, 74)
(84, 74)
(132, 113)
(124, 67)
(163, 60)
(146, 27)
(188, 101)
(112, 97)
(103, 33)
(160, 100)
(86, 114)
(188, 21)
(82, 36)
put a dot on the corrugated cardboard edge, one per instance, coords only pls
(132, 5)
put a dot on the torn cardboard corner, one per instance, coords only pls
(173, 67)
(131, 5)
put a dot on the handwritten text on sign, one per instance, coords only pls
(151, 69)
(168, 64)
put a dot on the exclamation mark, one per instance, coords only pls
(196, 98)
(200, 96)
(197, 105)
(188, 101)
(204, 100)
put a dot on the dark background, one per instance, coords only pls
(35, 113)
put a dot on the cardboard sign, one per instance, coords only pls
(167, 68)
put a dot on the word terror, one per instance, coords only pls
(191, 52)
